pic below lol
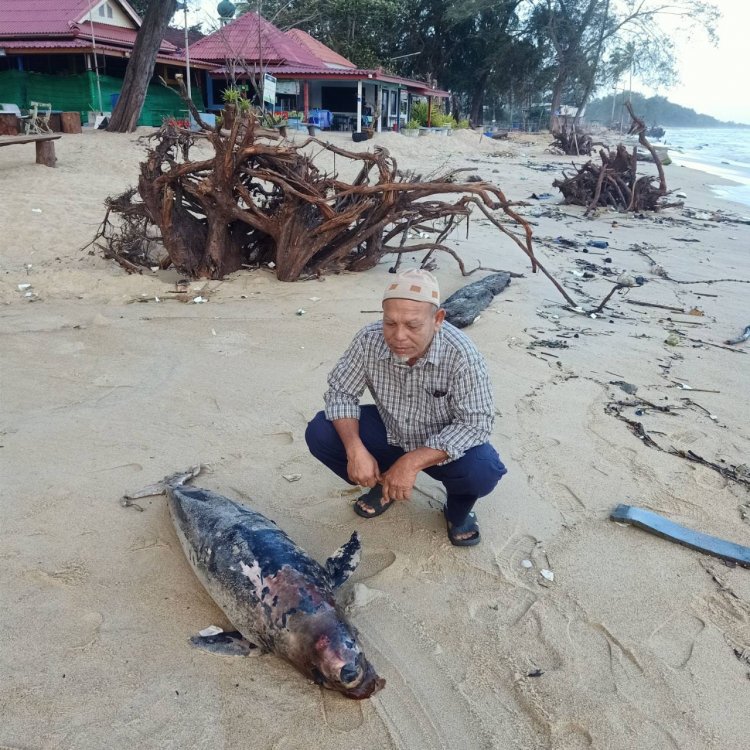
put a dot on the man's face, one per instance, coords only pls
(408, 326)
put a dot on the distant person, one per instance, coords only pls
(433, 410)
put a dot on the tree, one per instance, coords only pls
(141, 66)
(584, 33)
(140, 6)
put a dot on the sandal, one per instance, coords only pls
(373, 498)
(469, 525)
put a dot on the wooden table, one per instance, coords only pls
(45, 148)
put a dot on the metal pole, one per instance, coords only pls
(96, 62)
(359, 106)
(187, 52)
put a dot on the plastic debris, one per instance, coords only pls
(527, 564)
(667, 529)
(36, 210)
(548, 575)
(627, 387)
(271, 264)
(210, 630)
(292, 477)
(199, 300)
(23, 287)
(672, 340)
(300, 312)
(744, 336)
(601, 244)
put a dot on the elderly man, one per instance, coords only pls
(433, 409)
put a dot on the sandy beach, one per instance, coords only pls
(108, 383)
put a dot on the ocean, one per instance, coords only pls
(724, 152)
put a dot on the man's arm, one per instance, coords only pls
(474, 412)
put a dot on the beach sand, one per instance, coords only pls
(636, 643)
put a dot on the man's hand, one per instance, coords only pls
(398, 481)
(362, 467)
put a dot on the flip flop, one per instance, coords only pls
(373, 498)
(469, 525)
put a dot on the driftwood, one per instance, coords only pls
(463, 307)
(615, 181)
(259, 199)
(571, 141)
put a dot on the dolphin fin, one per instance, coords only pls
(343, 562)
(224, 644)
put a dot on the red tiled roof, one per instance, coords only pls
(252, 38)
(320, 50)
(41, 17)
(118, 35)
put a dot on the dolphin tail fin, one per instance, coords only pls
(343, 562)
(160, 488)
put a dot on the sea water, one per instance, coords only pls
(724, 152)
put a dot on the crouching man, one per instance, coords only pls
(433, 410)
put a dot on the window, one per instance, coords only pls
(105, 10)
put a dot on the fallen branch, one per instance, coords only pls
(737, 473)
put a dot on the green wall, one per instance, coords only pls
(78, 93)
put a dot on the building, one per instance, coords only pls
(73, 54)
(309, 76)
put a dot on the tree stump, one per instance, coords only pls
(45, 153)
(54, 122)
(71, 122)
(8, 123)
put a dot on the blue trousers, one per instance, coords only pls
(466, 479)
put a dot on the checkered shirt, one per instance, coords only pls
(444, 401)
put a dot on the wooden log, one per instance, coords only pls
(9, 123)
(54, 122)
(71, 122)
(45, 153)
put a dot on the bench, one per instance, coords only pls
(45, 148)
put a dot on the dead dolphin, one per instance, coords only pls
(276, 596)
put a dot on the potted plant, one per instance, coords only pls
(411, 129)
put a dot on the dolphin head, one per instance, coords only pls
(337, 662)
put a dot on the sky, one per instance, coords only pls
(713, 79)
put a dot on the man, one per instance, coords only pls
(433, 409)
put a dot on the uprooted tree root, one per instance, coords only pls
(571, 141)
(260, 199)
(615, 182)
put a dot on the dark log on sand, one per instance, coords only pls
(463, 307)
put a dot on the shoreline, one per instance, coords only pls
(109, 389)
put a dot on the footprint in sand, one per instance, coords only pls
(572, 737)
(341, 714)
(514, 557)
(673, 641)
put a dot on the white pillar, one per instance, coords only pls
(379, 106)
(359, 106)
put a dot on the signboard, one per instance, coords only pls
(287, 87)
(269, 89)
